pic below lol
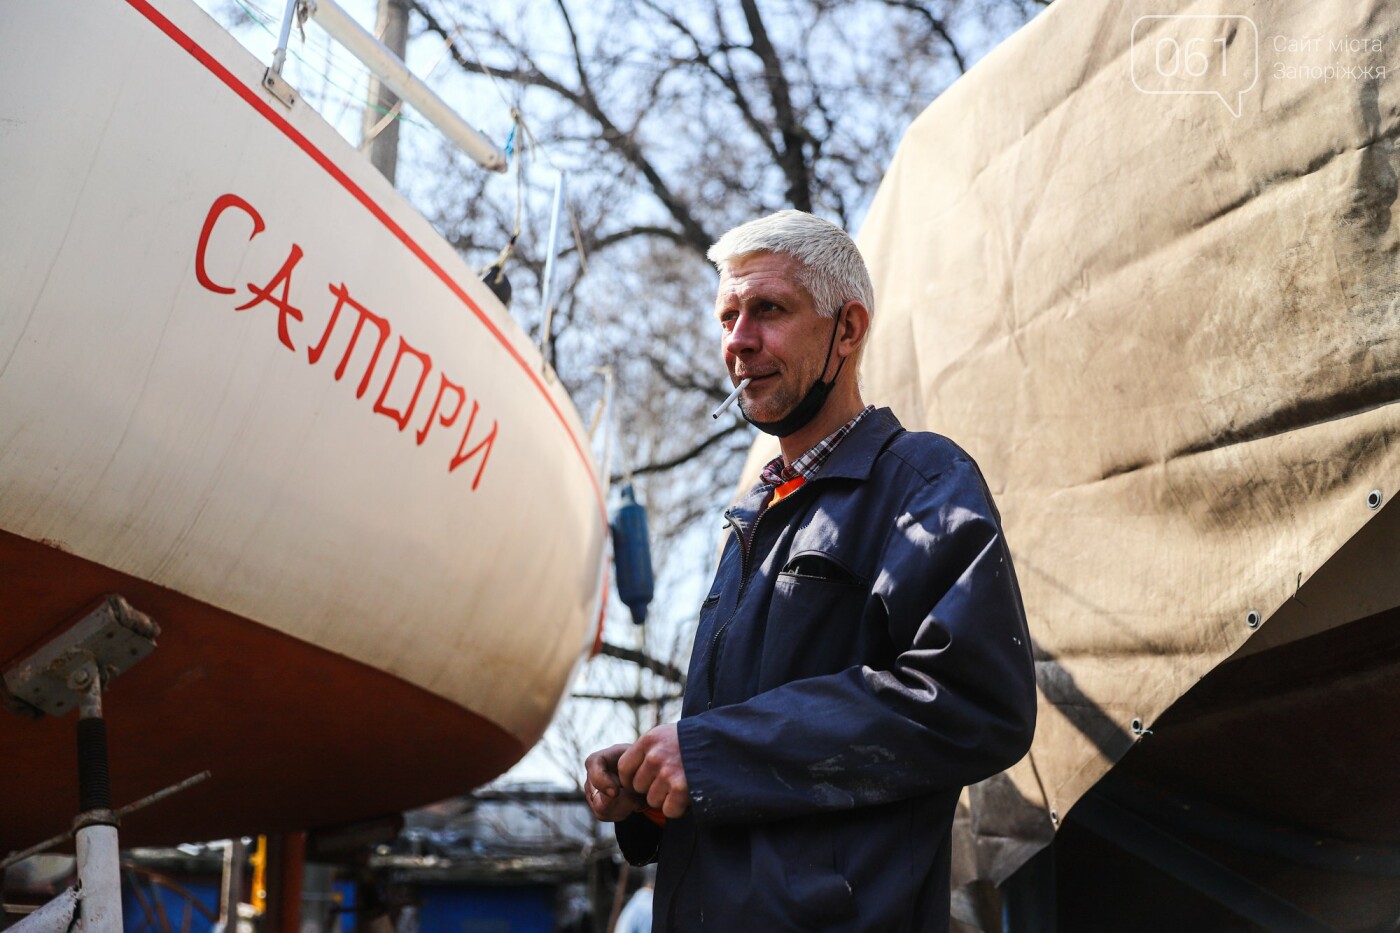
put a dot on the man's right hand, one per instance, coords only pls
(607, 798)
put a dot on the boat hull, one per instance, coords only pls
(295, 737)
(246, 386)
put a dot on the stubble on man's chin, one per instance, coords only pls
(776, 408)
(764, 417)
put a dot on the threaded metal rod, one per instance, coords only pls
(94, 781)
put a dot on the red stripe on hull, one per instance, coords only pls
(257, 101)
(296, 736)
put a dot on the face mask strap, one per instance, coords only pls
(811, 403)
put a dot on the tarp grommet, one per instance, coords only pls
(1252, 620)
(1374, 498)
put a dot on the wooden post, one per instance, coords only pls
(391, 26)
(286, 866)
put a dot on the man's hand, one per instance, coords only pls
(608, 797)
(652, 766)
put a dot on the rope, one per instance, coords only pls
(535, 145)
(395, 111)
(262, 18)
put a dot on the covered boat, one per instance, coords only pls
(247, 387)
(1142, 263)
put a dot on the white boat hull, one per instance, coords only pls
(241, 377)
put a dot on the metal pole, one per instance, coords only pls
(99, 861)
(57, 916)
(395, 74)
(551, 273)
(280, 56)
(291, 871)
(76, 664)
(391, 24)
(231, 891)
(99, 856)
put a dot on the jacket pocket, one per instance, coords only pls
(795, 874)
(699, 689)
(817, 565)
(814, 625)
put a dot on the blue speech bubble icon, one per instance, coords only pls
(1196, 54)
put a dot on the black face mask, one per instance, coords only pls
(811, 403)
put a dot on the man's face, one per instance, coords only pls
(772, 333)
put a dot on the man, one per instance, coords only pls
(862, 654)
(636, 916)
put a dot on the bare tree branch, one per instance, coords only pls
(792, 158)
(704, 58)
(672, 462)
(633, 699)
(937, 25)
(695, 234)
(689, 382)
(662, 669)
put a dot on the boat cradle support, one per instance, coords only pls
(70, 671)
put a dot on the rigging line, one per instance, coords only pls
(395, 111)
(519, 172)
(513, 148)
(262, 18)
(254, 14)
(457, 30)
(578, 243)
(522, 128)
(328, 51)
(535, 145)
(496, 83)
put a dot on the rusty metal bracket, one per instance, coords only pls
(114, 637)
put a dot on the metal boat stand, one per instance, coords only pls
(70, 671)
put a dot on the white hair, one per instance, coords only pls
(833, 271)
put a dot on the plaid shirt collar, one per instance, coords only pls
(775, 473)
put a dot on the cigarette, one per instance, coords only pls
(732, 396)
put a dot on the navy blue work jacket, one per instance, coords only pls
(861, 656)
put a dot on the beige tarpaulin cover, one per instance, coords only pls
(1167, 333)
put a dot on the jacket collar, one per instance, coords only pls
(854, 457)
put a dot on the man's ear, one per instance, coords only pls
(855, 325)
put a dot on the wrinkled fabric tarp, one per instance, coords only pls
(1168, 335)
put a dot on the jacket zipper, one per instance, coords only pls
(710, 676)
(744, 547)
(710, 671)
